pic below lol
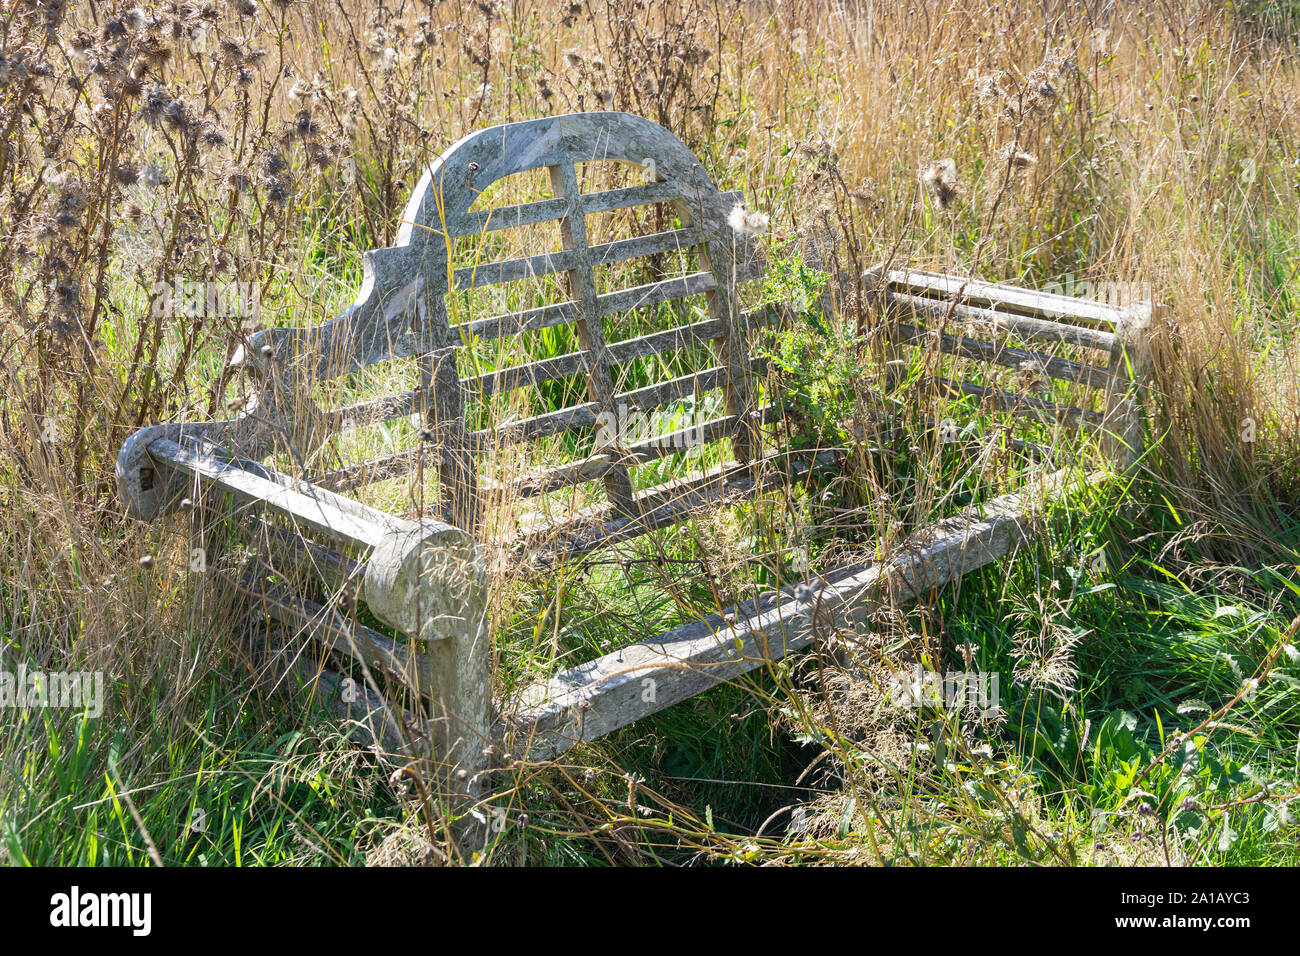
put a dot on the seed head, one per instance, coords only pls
(940, 180)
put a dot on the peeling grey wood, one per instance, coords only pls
(1004, 297)
(1091, 376)
(1040, 330)
(591, 700)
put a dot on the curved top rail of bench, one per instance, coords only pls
(392, 319)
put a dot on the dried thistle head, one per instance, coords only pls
(1017, 158)
(746, 222)
(940, 181)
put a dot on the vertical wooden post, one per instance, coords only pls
(581, 283)
(1124, 435)
(443, 400)
(733, 344)
(430, 583)
(887, 353)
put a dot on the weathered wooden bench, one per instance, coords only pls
(400, 594)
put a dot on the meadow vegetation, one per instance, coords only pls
(1150, 683)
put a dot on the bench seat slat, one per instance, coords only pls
(673, 240)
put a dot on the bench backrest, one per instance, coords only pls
(421, 300)
(997, 348)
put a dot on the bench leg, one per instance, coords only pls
(429, 582)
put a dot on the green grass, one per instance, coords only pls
(236, 788)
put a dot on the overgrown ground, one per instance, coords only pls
(1150, 698)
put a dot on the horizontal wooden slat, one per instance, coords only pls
(657, 507)
(374, 411)
(513, 270)
(576, 363)
(571, 418)
(1004, 297)
(545, 210)
(534, 373)
(633, 454)
(1039, 330)
(510, 217)
(1032, 449)
(683, 336)
(561, 313)
(290, 550)
(1093, 376)
(391, 407)
(1011, 402)
(674, 240)
(655, 292)
(625, 197)
(336, 633)
(583, 416)
(593, 699)
(516, 323)
(376, 469)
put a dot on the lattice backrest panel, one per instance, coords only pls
(456, 296)
(1068, 363)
